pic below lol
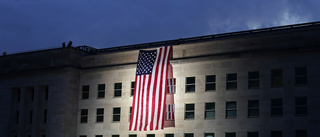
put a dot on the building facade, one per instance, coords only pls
(256, 83)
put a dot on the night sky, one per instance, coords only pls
(28, 25)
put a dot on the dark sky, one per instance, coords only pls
(27, 25)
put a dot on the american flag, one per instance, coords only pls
(148, 106)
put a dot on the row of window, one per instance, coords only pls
(298, 133)
(30, 93)
(210, 82)
(301, 108)
(30, 116)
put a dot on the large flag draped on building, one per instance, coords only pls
(149, 100)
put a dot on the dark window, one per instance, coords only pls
(45, 116)
(230, 134)
(231, 81)
(30, 116)
(190, 84)
(16, 94)
(253, 134)
(188, 134)
(84, 116)
(150, 135)
(133, 135)
(46, 93)
(130, 113)
(117, 89)
(169, 135)
(82, 136)
(189, 112)
(276, 78)
(99, 135)
(17, 117)
(253, 108)
(132, 87)
(276, 133)
(276, 107)
(32, 94)
(210, 110)
(211, 82)
(301, 106)
(301, 133)
(115, 136)
(85, 92)
(301, 76)
(231, 109)
(101, 90)
(100, 112)
(253, 79)
(116, 114)
(208, 134)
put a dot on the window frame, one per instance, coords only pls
(301, 106)
(253, 81)
(101, 91)
(276, 78)
(116, 115)
(299, 77)
(230, 82)
(117, 91)
(229, 110)
(189, 111)
(133, 83)
(210, 110)
(190, 84)
(253, 108)
(275, 108)
(99, 116)
(82, 116)
(85, 94)
(212, 83)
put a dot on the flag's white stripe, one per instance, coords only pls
(135, 105)
(163, 86)
(145, 101)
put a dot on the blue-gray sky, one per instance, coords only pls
(27, 25)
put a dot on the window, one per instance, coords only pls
(169, 135)
(231, 109)
(85, 92)
(31, 93)
(82, 136)
(150, 135)
(169, 111)
(276, 107)
(16, 94)
(117, 89)
(171, 88)
(276, 133)
(45, 116)
(301, 106)
(101, 90)
(17, 117)
(276, 78)
(253, 108)
(253, 134)
(189, 112)
(188, 134)
(116, 114)
(210, 82)
(301, 133)
(84, 116)
(301, 76)
(132, 87)
(208, 134)
(100, 112)
(190, 84)
(231, 81)
(230, 134)
(130, 113)
(46, 93)
(253, 80)
(115, 136)
(99, 135)
(30, 116)
(210, 110)
(133, 135)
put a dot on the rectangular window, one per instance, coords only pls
(301, 106)
(301, 133)
(276, 133)
(169, 111)
(99, 135)
(17, 117)
(231, 109)
(115, 136)
(276, 107)
(82, 136)
(188, 134)
(130, 113)
(230, 134)
(210, 82)
(46, 93)
(190, 84)
(150, 135)
(301, 76)
(210, 110)
(208, 134)
(171, 88)
(253, 134)
(85, 92)
(133, 135)
(132, 87)
(100, 113)
(45, 116)
(84, 116)
(30, 116)
(253, 108)
(31, 94)
(253, 80)
(231, 81)
(101, 90)
(16, 94)
(276, 78)
(169, 135)
(189, 111)
(117, 89)
(116, 114)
